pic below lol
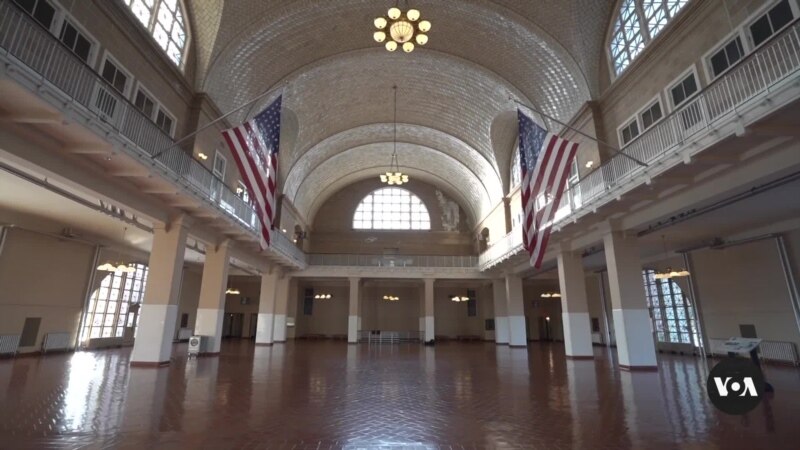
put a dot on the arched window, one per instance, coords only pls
(670, 310)
(638, 22)
(391, 209)
(164, 19)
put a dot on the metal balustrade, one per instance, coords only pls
(390, 337)
(748, 80)
(319, 259)
(24, 40)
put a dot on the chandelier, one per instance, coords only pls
(119, 267)
(322, 296)
(459, 299)
(404, 29)
(669, 272)
(394, 176)
(391, 298)
(232, 291)
(551, 295)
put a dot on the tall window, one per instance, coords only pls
(638, 22)
(671, 311)
(109, 311)
(164, 19)
(391, 209)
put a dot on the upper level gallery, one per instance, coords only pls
(97, 99)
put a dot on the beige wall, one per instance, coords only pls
(333, 233)
(451, 319)
(42, 276)
(329, 317)
(189, 296)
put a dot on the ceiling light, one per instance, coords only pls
(589, 164)
(202, 156)
(551, 295)
(669, 272)
(459, 299)
(232, 291)
(394, 177)
(322, 296)
(403, 29)
(391, 298)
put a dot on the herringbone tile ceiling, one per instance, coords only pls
(453, 100)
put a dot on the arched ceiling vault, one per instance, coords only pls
(338, 81)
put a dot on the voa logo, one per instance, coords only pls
(735, 386)
(742, 388)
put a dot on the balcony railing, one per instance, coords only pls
(752, 77)
(33, 46)
(466, 262)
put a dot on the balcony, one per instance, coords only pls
(743, 95)
(391, 266)
(33, 57)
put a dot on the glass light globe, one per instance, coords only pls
(401, 31)
(379, 36)
(380, 23)
(412, 15)
(422, 39)
(394, 13)
(391, 46)
(408, 47)
(424, 26)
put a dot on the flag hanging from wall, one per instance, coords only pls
(545, 161)
(254, 146)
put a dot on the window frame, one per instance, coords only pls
(764, 10)
(406, 217)
(63, 17)
(691, 70)
(149, 29)
(746, 48)
(56, 11)
(655, 100)
(626, 124)
(160, 108)
(108, 56)
(140, 86)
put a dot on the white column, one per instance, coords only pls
(266, 308)
(159, 312)
(352, 318)
(517, 332)
(430, 332)
(211, 308)
(281, 308)
(422, 314)
(500, 311)
(574, 306)
(635, 346)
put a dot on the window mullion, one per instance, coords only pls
(642, 22)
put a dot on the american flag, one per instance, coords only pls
(545, 160)
(254, 146)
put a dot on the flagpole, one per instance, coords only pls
(603, 143)
(218, 119)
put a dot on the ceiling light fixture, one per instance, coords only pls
(551, 295)
(391, 298)
(669, 272)
(404, 29)
(322, 296)
(394, 176)
(202, 156)
(459, 299)
(232, 291)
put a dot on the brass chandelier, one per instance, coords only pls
(394, 177)
(404, 28)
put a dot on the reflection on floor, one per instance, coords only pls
(331, 395)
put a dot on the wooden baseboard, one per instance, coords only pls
(149, 364)
(262, 344)
(578, 358)
(639, 368)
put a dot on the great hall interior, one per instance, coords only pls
(394, 298)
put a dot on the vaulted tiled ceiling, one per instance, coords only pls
(337, 82)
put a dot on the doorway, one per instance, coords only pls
(545, 332)
(253, 325)
(232, 325)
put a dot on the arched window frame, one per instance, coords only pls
(391, 208)
(149, 15)
(635, 25)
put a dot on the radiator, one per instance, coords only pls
(775, 351)
(55, 341)
(9, 343)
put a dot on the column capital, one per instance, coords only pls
(182, 220)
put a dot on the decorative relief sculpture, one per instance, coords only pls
(450, 212)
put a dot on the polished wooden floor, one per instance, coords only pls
(331, 395)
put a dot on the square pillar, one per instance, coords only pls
(211, 308)
(500, 312)
(281, 308)
(266, 308)
(517, 331)
(632, 326)
(574, 306)
(159, 310)
(430, 334)
(422, 314)
(352, 318)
